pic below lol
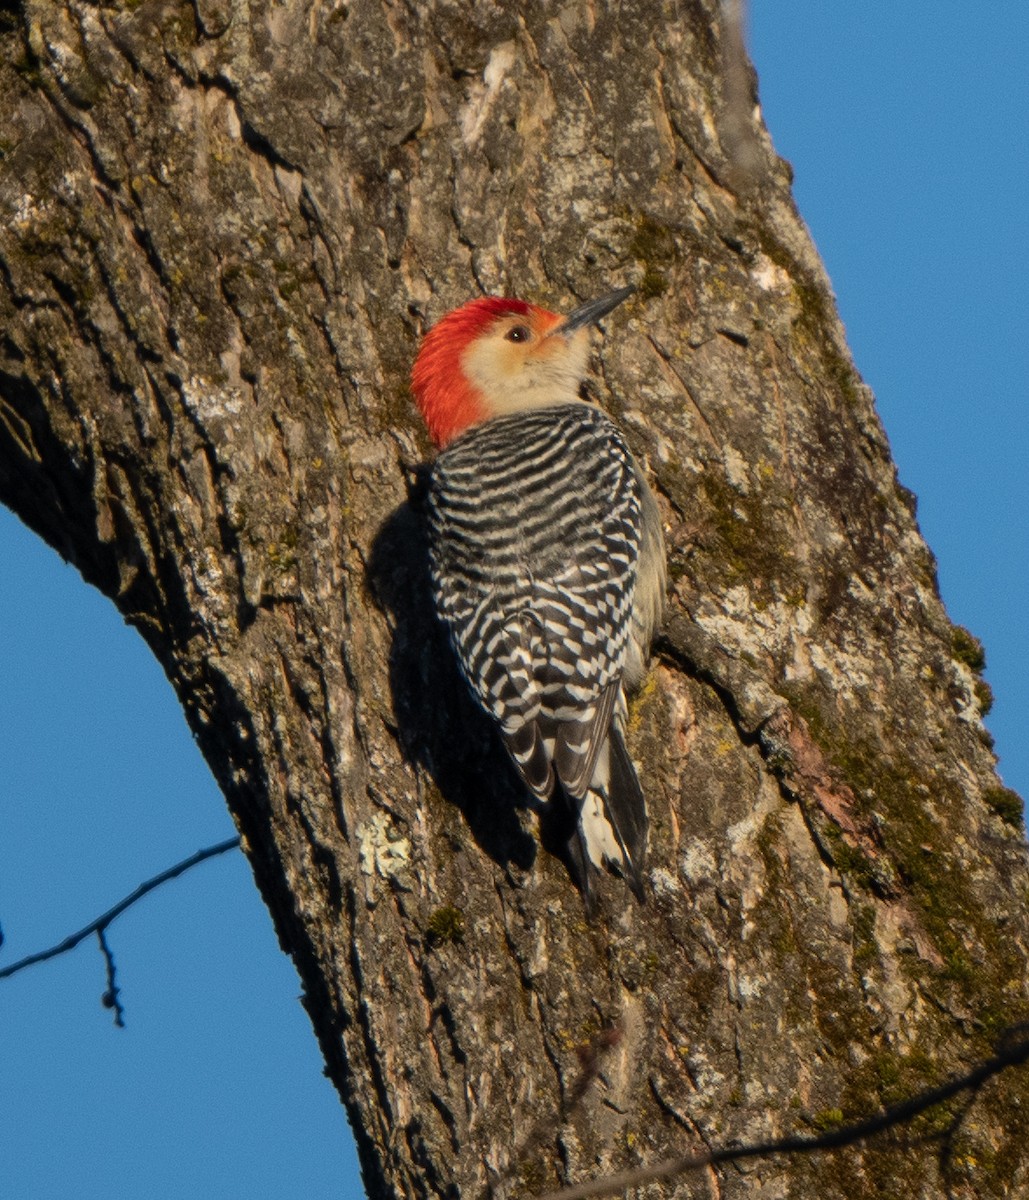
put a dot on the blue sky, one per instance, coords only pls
(906, 125)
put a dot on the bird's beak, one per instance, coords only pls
(592, 311)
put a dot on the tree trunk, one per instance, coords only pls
(224, 227)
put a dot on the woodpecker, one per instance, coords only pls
(547, 560)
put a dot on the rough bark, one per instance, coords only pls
(224, 227)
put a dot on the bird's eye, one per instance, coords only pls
(518, 334)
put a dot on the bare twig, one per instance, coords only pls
(739, 132)
(591, 1058)
(110, 997)
(100, 925)
(1013, 1054)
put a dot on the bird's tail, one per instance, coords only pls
(612, 824)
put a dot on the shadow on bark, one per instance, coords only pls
(438, 723)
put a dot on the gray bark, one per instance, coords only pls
(224, 227)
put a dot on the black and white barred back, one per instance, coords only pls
(535, 524)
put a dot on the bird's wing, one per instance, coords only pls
(578, 742)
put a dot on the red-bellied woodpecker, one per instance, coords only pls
(547, 558)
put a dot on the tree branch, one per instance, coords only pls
(110, 997)
(1015, 1054)
(101, 923)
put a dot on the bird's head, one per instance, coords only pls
(494, 356)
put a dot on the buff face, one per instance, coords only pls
(526, 362)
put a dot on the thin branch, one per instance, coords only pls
(110, 997)
(1015, 1054)
(101, 923)
(591, 1059)
(739, 131)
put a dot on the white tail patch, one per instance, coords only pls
(601, 842)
